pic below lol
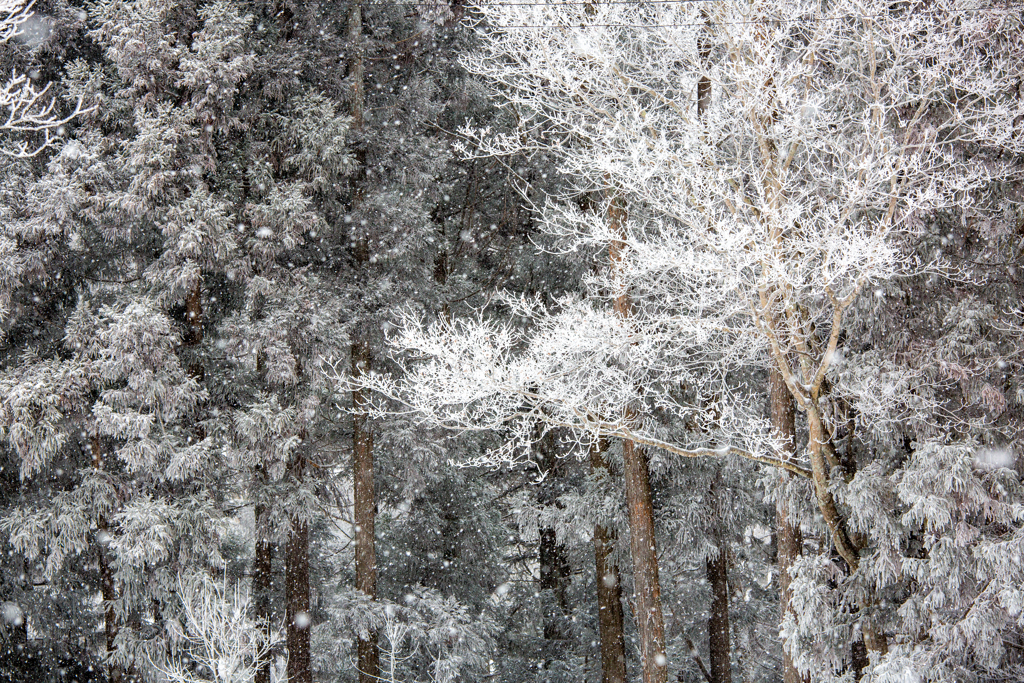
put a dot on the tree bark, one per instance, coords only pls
(262, 585)
(554, 575)
(357, 69)
(365, 512)
(109, 590)
(297, 603)
(650, 621)
(194, 314)
(646, 589)
(720, 649)
(107, 586)
(609, 592)
(717, 567)
(554, 566)
(817, 443)
(719, 645)
(367, 654)
(790, 541)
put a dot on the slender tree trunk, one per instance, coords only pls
(109, 590)
(554, 566)
(554, 576)
(609, 592)
(646, 589)
(719, 644)
(365, 511)
(17, 629)
(367, 655)
(650, 621)
(262, 585)
(357, 68)
(107, 586)
(297, 603)
(817, 443)
(194, 313)
(790, 541)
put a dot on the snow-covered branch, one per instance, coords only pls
(28, 109)
(222, 639)
(571, 374)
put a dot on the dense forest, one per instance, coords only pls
(530, 341)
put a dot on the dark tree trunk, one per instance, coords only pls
(297, 603)
(554, 566)
(646, 589)
(356, 69)
(720, 649)
(109, 590)
(609, 593)
(262, 585)
(650, 621)
(107, 586)
(194, 314)
(790, 541)
(365, 512)
(554, 577)
(17, 628)
(367, 655)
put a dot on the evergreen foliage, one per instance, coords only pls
(480, 276)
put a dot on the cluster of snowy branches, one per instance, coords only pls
(780, 163)
(527, 341)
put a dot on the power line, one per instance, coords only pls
(639, 3)
(599, 3)
(704, 24)
(592, 3)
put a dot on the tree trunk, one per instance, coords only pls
(650, 622)
(646, 589)
(609, 593)
(817, 442)
(107, 586)
(554, 566)
(109, 590)
(297, 603)
(720, 649)
(554, 575)
(194, 314)
(790, 541)
(262, 585)
(365, 511)
(367, 655)
(356, 68)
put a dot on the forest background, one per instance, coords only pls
(527, 341)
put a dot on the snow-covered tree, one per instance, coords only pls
(222, 641)
(832, 131)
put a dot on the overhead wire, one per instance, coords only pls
(639, 3)
(741, 22)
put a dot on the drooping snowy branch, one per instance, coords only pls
(28, 109)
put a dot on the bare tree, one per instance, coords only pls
(753, 229)
(219, 635)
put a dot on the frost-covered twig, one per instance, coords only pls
(28, 109)
(221, 637)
